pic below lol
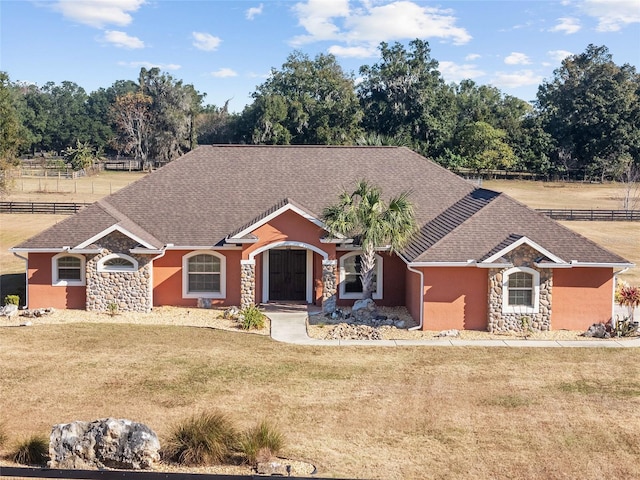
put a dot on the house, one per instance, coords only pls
(237, 225)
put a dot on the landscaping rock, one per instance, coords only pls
(38, 312)
(109, 442)
(597, 330)
(449, 333)
(345, 331)
(9, 310)
(273, 468)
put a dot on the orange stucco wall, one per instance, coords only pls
(455, 297)
(581, 297)
(167, 279)
(42, 294)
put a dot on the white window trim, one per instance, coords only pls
(523, 309)
(57, 282)
(185, 276)
(377, 295)
(120, 268)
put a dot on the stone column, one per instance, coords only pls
(247, 283)
(329, 285)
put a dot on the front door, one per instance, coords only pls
(287, 275)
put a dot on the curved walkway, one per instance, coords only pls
(289, 325)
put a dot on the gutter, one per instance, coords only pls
(26, 279)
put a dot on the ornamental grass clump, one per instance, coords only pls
(3, 435)
(261, 443)
(32, 451)
(207, 438)
(252, 318)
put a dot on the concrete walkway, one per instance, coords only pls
(289, 325)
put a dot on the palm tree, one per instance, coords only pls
(365, 215)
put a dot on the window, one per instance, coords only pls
(117, 262)
(203, 275)
(68, 269)
(520, 291)
(350, 283)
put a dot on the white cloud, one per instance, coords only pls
(517, 58)
(205, 41)
(567, 25)
(254, 12)
(453, 72)
(353, 52)
(224, 73)
(375, 22)
(559, 55)
(316, 17)
(472, 56)
(522, 78)
(99, 13)
(122, 40)
(613, 15)
(149, 65)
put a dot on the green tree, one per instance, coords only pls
(216, 125)
(306, 102)
(363, 213)
(590, 108)
(11, 132)
(404, 96)
(81, 156)
(483, 148)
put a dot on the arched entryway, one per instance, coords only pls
(288, 271)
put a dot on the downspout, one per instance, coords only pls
(164, 251)
(411, 269)
(26, 279)
(613, 297)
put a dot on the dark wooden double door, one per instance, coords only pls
(287, 275)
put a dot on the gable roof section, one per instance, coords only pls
(88, 226)
(500, 224)
(276, 210)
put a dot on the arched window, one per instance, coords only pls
(350, 283)
(117, 262)
(521, 290)
(67, 270)
(203, 275)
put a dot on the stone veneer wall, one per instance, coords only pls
(329, 285)
(130, 291)
(247, 284)
(523, 256)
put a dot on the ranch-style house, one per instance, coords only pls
(238, 225)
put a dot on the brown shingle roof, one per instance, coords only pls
(215, 191)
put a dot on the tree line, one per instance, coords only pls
(584, 122)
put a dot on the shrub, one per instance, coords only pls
(12, 300)
(203, 439)
(261, 443)
(32, 451)
(252, 318)
(112, 308)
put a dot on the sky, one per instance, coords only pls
(225, 49)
